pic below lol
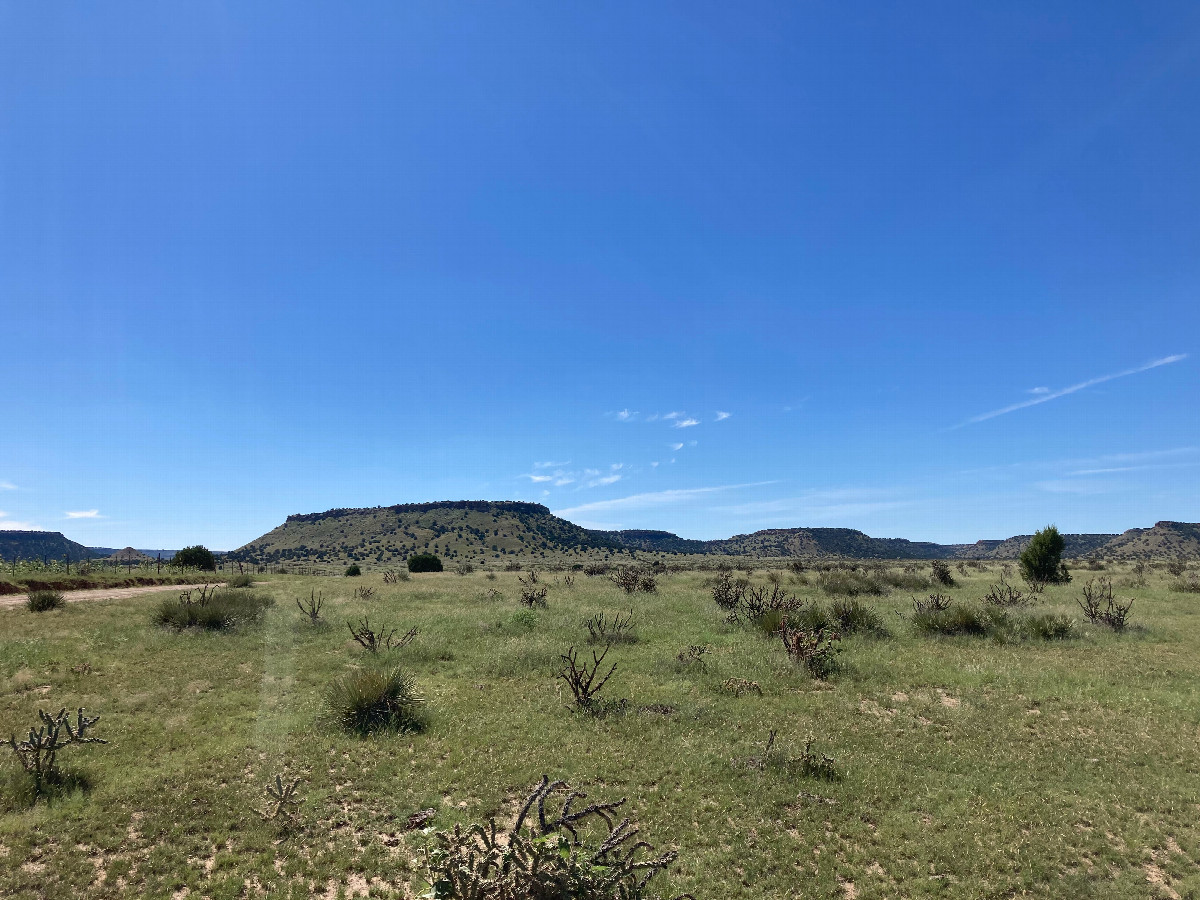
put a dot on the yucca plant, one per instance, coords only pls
(374, 699)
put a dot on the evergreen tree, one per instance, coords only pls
(1041, 560)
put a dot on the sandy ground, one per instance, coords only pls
(9, 601)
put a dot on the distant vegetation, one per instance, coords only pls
(424, 562)
(500, 534)
(195, 557)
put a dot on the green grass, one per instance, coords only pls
(968, 766)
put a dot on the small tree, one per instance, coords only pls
(197, 557)
(353, 570)
(1042, 561)
(424, 562)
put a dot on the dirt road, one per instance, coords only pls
(9, 601)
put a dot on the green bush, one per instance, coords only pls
(353, 571)
(1041, 560)
(218, 611)
(851, 584)
(955, 620)
(852, 616)
(196, 557)
(376, 699)
(424, 562)
(1050, 627)
(41, 601)
(240, 581)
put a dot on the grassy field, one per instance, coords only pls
(969, 767)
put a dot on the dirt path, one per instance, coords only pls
(9, 601)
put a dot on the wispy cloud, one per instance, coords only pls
(7, 486)
(563, 478)
(651, 499)
(84, 514)
(676, 446)
(7, 524)
(625, 415)
(1068, 486)
(722, 416)
(686, 423)
(1049, 395)
(551, 465)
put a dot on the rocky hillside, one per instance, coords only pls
(494, 532)
(43, 545)
(1171, 539)
(474, 531)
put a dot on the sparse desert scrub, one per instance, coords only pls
(44, 600)
(995, 738)
(212, 609)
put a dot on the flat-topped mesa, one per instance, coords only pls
(516, 506)
(494, 532)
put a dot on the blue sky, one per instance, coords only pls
(925, 269)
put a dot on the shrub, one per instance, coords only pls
(585, 682)
(617, 630)
(464, 568)
(196, 557)
(41, 601)
(1050, 627)
(1099, 606)
(543, 856)
(815, 649)
(1186, 584)
(376, 699)
(935, 603)
(240, 581)
(1004, 594)
(809, 764)
(940, 572)
(692, 656)
(951, 621)
(634, 578)
(851, 616)
(905, 580)
(215, 610)
(1041, 560)
(352, 571)
(390, 577)
(312, 607)
(533, 596)
(850, 583)
(384, 639)
(424, 562)
(1177, 566)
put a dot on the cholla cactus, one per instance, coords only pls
(544, 855)
(285, 803)
(38, 753)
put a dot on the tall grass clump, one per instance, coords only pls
(217, 610)
(852, 616)
(42, 601)
(956, 620)
(851, 583)
(240, 581)
(374, 699)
